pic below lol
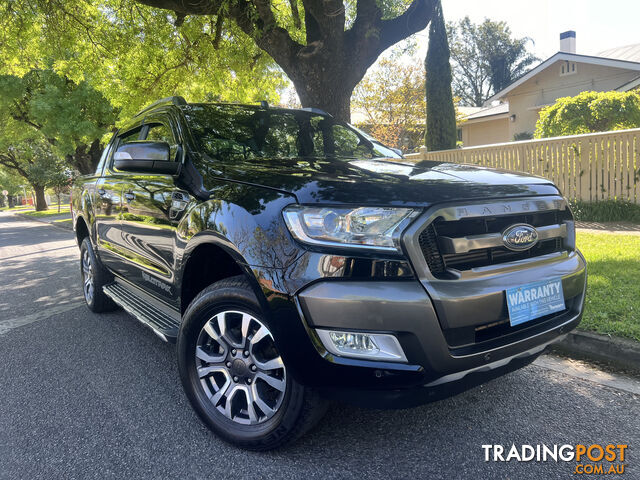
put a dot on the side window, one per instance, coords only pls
(161, 133)
(103, 158)
(130, 136)
(347, 143)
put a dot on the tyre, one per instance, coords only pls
(233, 374)
(94, 277)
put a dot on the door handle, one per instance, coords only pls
(102, 192)
(129, 196)
(179, 201)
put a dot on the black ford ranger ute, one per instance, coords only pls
(293, 258)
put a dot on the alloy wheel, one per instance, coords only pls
(240, 368)
(87, 276)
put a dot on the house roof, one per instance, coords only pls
(569, 57)
(635, 83)
(466, 111)
(630, 53)
(500, 109)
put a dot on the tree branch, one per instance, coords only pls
(370, 35)
(185, 7)
(415, 18)
(218, 34)
(295, 13)
(326, 19)
(9, 160)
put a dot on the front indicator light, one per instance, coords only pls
(370, 346)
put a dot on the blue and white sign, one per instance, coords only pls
(535, 300)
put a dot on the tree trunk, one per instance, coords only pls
(327, 96)
(41, 201)
(84, 159)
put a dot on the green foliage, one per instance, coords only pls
(10, 181)
(392, 99)
(70, 116)
(486, 58)
(134, 51)
(612, 305)
(589, 112)
(134, 54)
(606, 211)
(441, 113)
(25, 153)
(522, 136)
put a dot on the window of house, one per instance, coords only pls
(568, 68)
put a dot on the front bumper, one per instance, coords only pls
(438, 363)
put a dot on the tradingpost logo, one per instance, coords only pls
(594, 459)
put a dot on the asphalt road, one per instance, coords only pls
(98, 396)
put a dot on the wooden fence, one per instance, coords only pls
(591, 167)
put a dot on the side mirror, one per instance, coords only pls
(145, 157)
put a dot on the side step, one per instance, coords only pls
(161, 321)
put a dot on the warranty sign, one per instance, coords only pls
(535, 300)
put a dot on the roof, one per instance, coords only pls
(630, 53)
(466, 111)
(569, 57)
(175, 100)
(500, 109)
(635, 83)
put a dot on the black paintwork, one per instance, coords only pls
(236, 205)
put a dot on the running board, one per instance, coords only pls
(160, 320)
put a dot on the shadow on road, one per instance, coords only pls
(28, 232)
(38, 267)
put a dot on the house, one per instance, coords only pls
(512, 113)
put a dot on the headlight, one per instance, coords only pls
(366, 227)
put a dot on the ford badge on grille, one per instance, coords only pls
(520, 237)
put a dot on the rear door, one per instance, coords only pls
(152, 206)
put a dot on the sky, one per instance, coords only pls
(599, 25)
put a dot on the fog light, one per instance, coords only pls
(354, 342)
(373, 346)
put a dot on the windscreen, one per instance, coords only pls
(241, 132)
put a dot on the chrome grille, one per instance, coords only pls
(461, 244)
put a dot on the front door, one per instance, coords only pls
(149, 222)
(108, 209)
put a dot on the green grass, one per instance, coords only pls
(15, 209)
(613, 291)
(64, 222)
(606, 211)
(51, 212)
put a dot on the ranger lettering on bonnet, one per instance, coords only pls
(295, 259)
